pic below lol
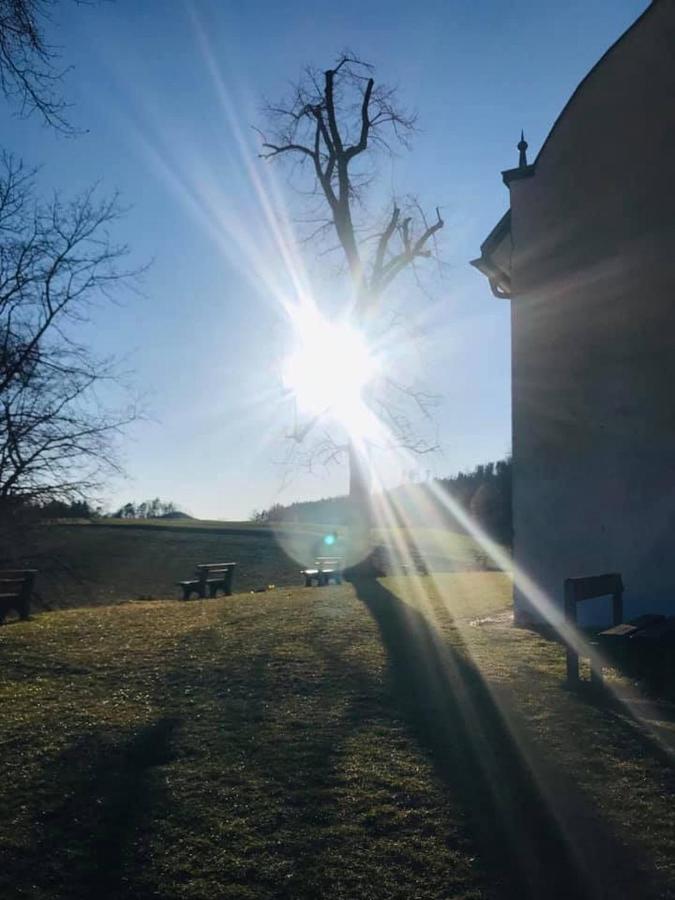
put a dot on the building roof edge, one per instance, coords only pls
(586, 77)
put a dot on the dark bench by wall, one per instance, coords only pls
(16, 589)
(587, 588)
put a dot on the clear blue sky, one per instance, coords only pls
(203, 340)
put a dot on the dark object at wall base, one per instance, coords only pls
(370, 567)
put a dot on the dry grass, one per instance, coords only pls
(370, 741)
(119, 560)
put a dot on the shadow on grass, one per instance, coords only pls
(531, 825)
(630, 709)
(80, 847)
(261, 805)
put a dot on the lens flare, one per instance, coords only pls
(329, 369)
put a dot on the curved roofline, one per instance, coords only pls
(590, 73)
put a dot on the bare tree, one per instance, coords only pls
(333, 126)
(29, 71)
(57, 438)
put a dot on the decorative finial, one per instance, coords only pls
(522, 148)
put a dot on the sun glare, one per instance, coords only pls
(329, 369)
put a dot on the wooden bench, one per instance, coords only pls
(325, 568)
(576, 591)
(643, 648)
(16, 588)
(209, 577)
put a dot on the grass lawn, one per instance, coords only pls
(390, 739)
(103, 564)
(115, 560)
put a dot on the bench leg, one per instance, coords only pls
(596, 668)
(572, 659)
(572, 665)
(596, 676)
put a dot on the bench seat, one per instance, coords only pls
(209, 577)
(325, 569)
(643, 648)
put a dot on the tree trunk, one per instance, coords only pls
(360, 512)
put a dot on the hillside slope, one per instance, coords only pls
(82, 564)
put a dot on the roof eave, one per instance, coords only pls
(509, 175)
(500, 283)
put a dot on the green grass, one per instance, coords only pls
(197, 524)
(91, 565)
(119, 560)
(438, 546)
(392, 739)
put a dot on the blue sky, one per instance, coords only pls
(166, 92)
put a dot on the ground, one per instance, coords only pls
(395, 738)
(117, 560)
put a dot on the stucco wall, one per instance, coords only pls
(593, 330)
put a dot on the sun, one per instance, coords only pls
(329, 369)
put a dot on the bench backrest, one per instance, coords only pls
(17, 581)
(328, 562)
(579, 589)
(576, 591)
(210, 570)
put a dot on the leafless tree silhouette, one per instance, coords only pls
(332, 127)
(57, 438)
(30, 73)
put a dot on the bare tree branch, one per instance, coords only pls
(411, 250)
(29, 72)
(293, 148)
(340, 119)
(56, 439)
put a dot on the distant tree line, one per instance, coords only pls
(276, 513)
(83, 509)
(150, 509)
(484, 493)
(62, 509)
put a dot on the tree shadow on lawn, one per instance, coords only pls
(79, 847)
(274, 756)
(531, 827)
(264, 799)
(640, 721)
(271, 773)
(531, 824)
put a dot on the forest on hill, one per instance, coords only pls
(484, 493)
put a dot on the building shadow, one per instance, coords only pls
(531, 825)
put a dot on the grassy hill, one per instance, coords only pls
(115, 560)
(395, 739)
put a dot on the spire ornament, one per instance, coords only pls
(522, 150)
(523, 169)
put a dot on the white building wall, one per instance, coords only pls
(593, 326)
